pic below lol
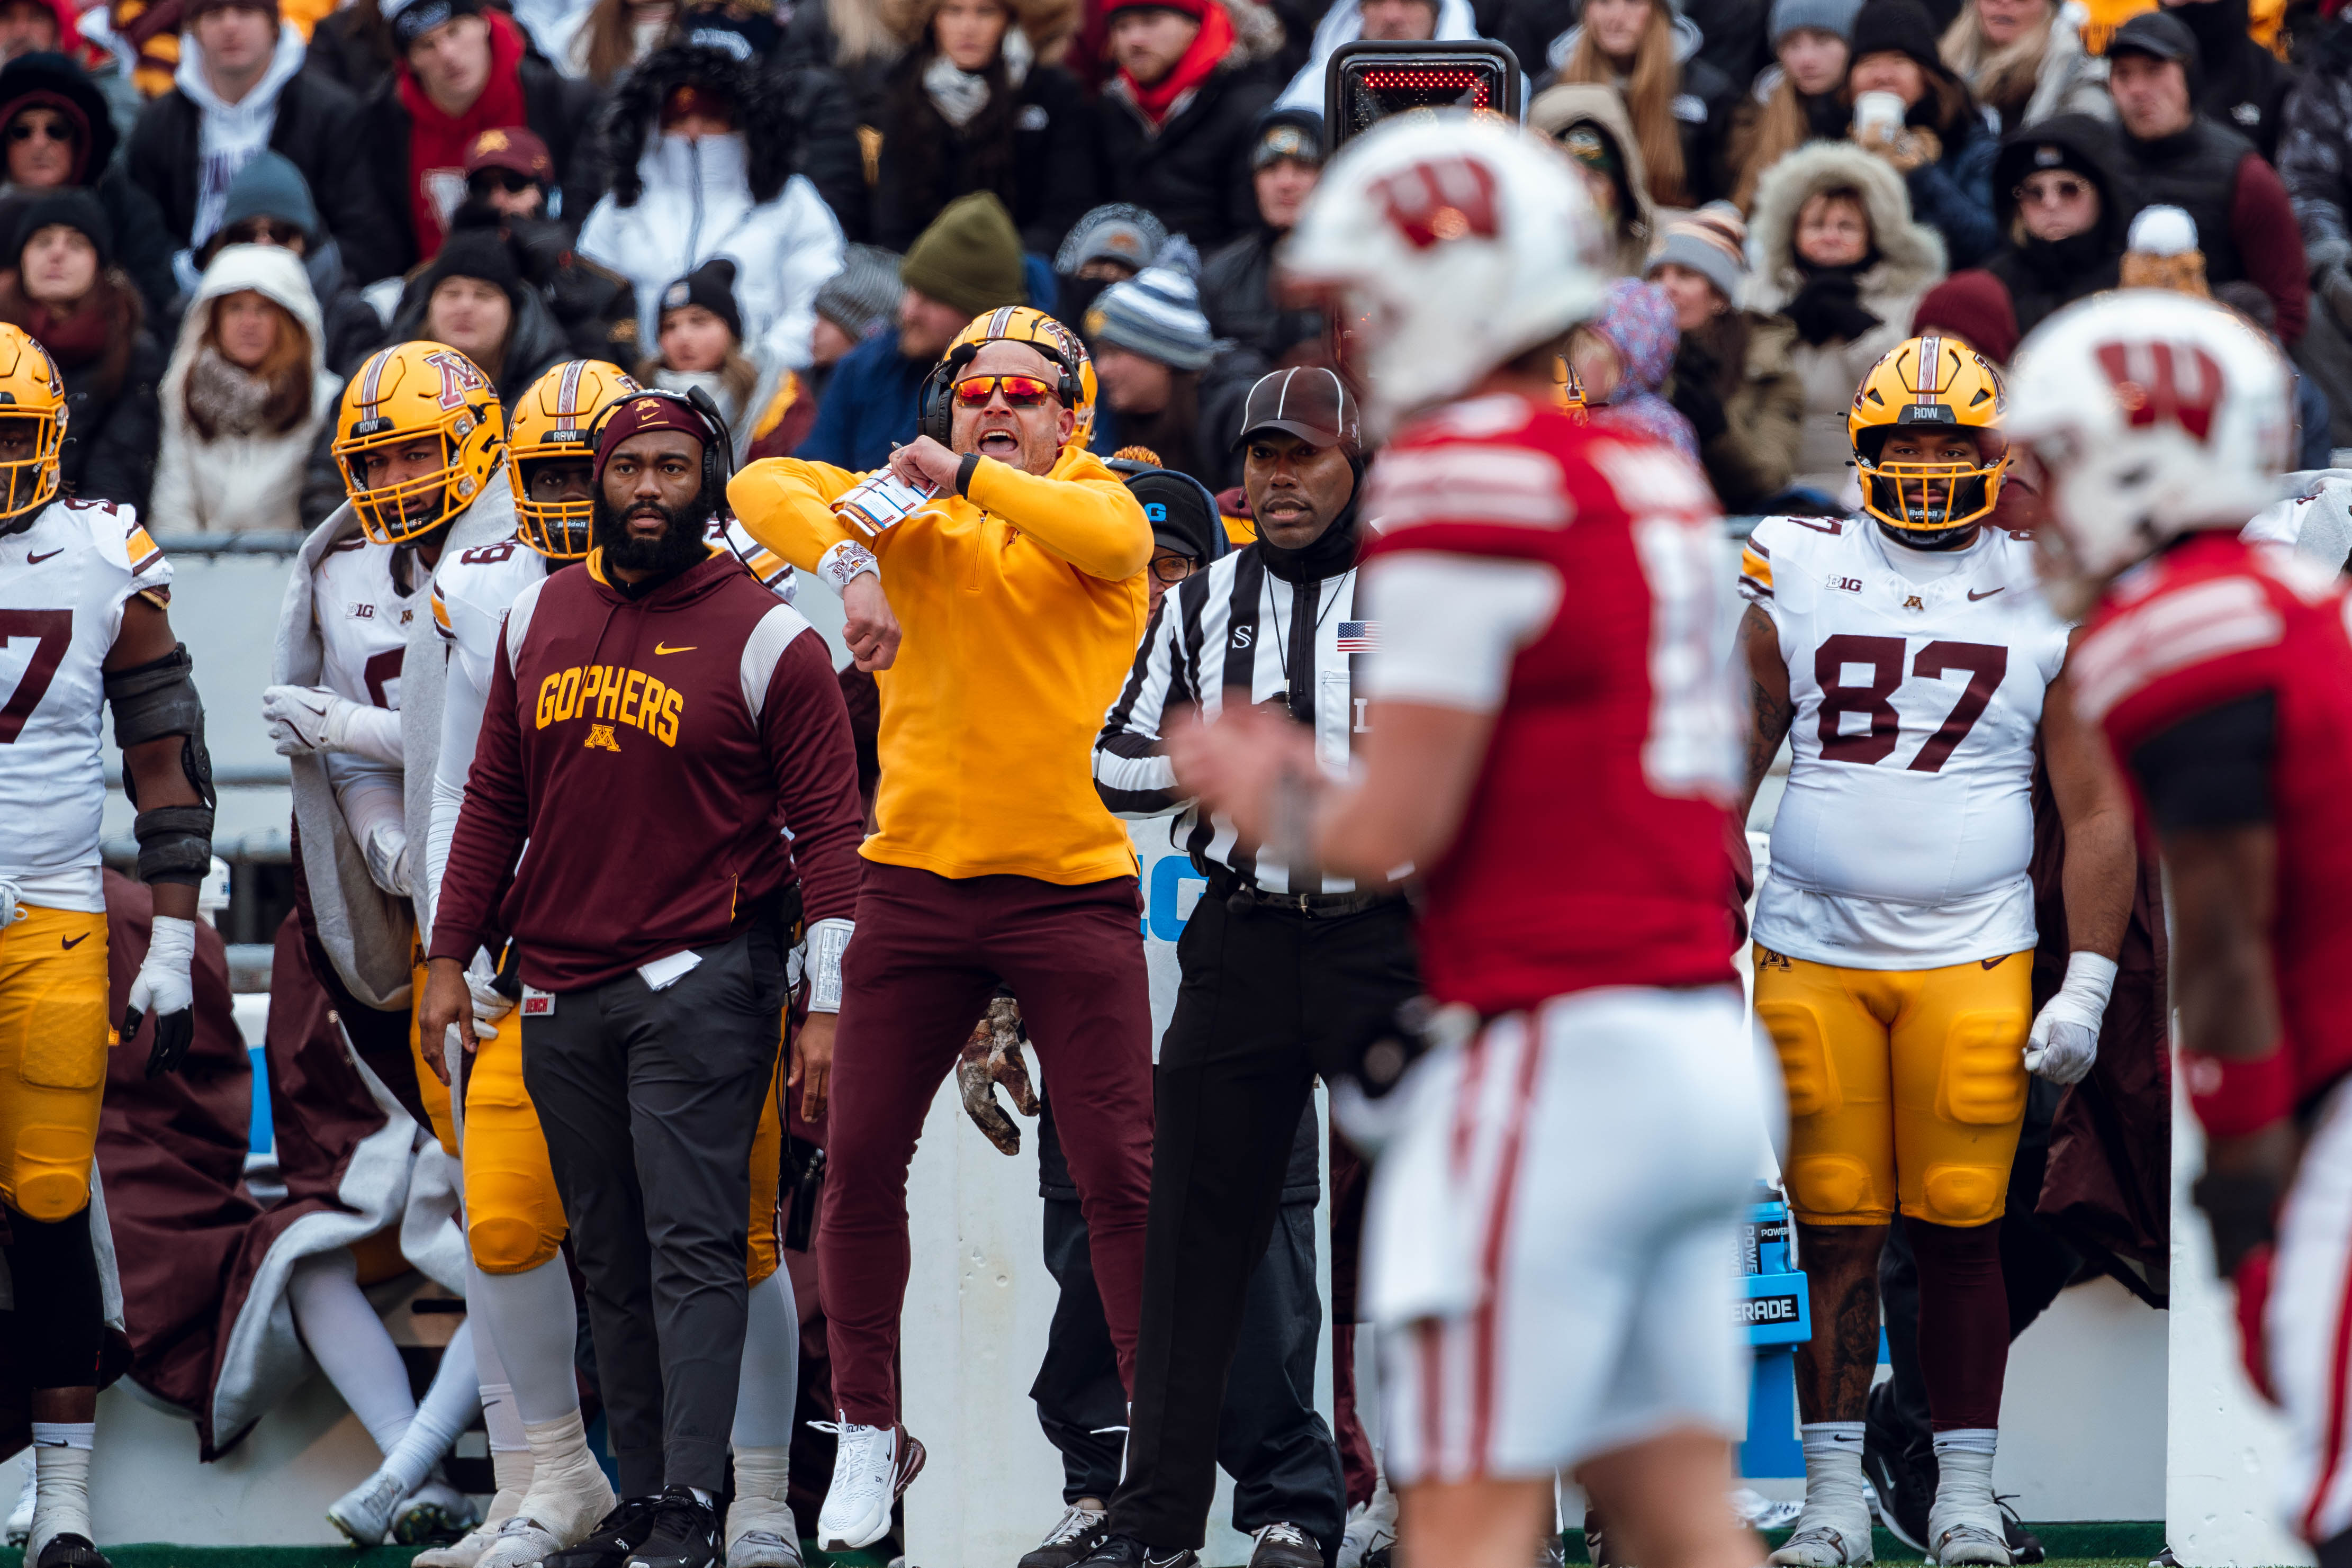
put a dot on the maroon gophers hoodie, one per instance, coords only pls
(652, 752)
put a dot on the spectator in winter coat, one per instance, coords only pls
(269, 204)
(463, 69)
(1180, 118)
(701, 345)
(2065, 208)
(241, 89)
(2024, 60)
(354, 47)
(244, 399)
(66, 291)
(1941, 148)
(1838, 252)
(1387, 21)
(966, 264)
(1589, 125)
(1154, 355)
(972, 105)
(1679, 105)
(1237, 282)
(1623, 357)
(37, 26)
(2240, 83)
(1734, 379)
(509, 173)
(1797, 98)
(609, 37)
(2179, 157)
(2315, 143)
(59, 138)
(474, 298)
(702, 166)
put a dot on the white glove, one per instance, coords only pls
(308, 720)
(12, 905)
(2064, 1040)
(386, 848)
(490, 1004)
(164, 988)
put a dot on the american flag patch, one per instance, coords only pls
(1358, 637)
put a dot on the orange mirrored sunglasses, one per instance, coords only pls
(1020, 391)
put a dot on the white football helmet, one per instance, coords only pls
(2152, 413)
(1449, 243)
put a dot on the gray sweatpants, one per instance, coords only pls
(650, 1100)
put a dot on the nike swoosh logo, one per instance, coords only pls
(37, 560)
(1994, 963)
(1974, 595)
(687, 648)
(72, 941)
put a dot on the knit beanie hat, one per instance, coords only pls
(1119, 231)
(970, 258)
(712, 286)
(481, 253)
(1973, 306)
(864, 295)
(1901, 28)
(1711, 242)
(412, 19)
(1821, 16)
(196, 8)
(74, 208)
(1156, 314)
(270, 185)
(2162, 253)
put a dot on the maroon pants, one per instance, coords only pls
(928, 951)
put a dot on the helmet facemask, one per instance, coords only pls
(32, 471)
(1927, 504)
(559, 529)
(405, 509)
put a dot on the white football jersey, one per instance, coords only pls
(63, 585)
(471, 593)
(1904, 837)
(364, 618)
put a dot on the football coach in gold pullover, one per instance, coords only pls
(1021, 590)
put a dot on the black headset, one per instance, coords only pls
(718, 446)
(938, 418)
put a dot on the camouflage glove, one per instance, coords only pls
(991, 1057)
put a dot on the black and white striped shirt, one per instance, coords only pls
(1234, 625)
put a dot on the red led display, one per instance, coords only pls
(1448, 83)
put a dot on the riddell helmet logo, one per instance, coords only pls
(2156, 382)
(1439, 200)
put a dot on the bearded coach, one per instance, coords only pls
(1013, 560)
(657, 721)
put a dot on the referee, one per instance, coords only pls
(1280, 965)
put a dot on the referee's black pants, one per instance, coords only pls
(1267, 998)
(650, 1100)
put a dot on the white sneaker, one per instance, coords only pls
(871, 1467)
(558, 1511)
(1371, 1534)
(1829, 1533)
(466, 1552)
(434, 1509)
(1966, 1528)
(762, 1549)
(365, 1513)
(20, 1518)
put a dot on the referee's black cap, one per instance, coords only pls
(1310, 403)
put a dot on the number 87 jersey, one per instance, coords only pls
(1916, 683)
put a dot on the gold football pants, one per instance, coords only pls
(54, 1037)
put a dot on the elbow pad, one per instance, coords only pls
(154, 700)
(175, 844)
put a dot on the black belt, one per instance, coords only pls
(1239, 895)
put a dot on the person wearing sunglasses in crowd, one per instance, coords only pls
(269, 203)
(56, 135)
(2064, 207)
(1020, 583)
(509, 172)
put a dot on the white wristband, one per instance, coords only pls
(846, 562)
(2089, 978)
(827, 941)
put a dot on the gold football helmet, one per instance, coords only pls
(30, 391)
(403, 392)
(552, 422)
(1931, 384)
(1020, 324)
(1569, 389)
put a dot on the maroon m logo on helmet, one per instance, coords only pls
(1440, 199)
(2159, 381)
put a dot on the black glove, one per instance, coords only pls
(1828, 309)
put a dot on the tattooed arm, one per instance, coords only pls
(1769, 711)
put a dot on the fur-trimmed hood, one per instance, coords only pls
(1570, 103)
(1910, 254)
(771, 135)
(1049, 24)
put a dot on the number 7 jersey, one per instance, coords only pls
(1904, 837)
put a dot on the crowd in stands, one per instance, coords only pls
(795, 208)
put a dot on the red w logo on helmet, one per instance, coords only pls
(2159, 380)
(1442, 199)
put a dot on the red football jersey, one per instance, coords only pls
(1593, 849)
(2213, 620)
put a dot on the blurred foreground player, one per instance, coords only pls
(2220, 672)
(82, 627)
(1550, 1216)
(1907, 654)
